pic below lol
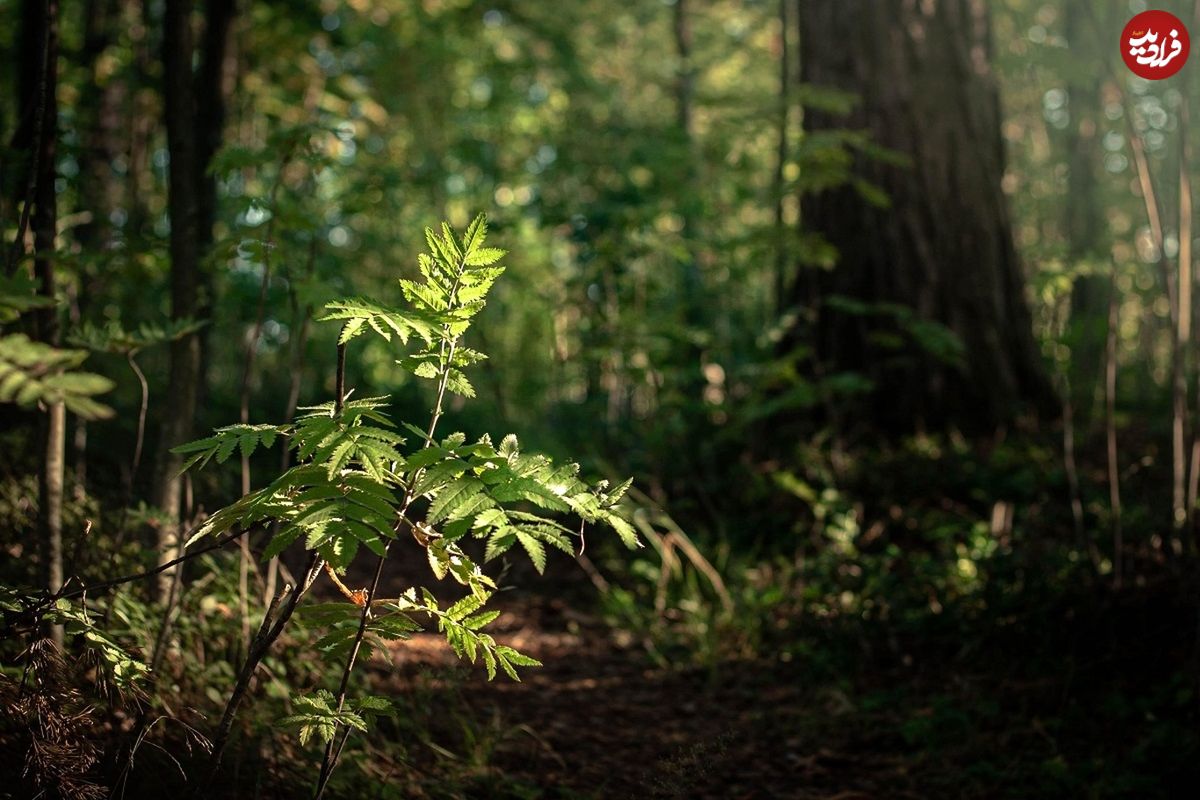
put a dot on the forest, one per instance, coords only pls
(665, 398)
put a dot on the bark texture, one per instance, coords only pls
(920, 69)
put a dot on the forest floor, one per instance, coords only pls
(1060, 703)
(600, 720)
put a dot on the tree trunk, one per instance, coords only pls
(179, 110)
(39, 87)
(212, 90)
(214, 83)
(685, 95)
(944, 247)
(99, 116)
(1083, 223)
(781, 277)
(137, 17)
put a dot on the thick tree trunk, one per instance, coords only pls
(944, 247)
(179, 109)
(100, 121)
(194, 106)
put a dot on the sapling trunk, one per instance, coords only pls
(333, 748)
(1169, 278)
(353, 486)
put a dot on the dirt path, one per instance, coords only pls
(599, 720)
(1063, 703)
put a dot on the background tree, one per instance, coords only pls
(183, 383)
(926, 226)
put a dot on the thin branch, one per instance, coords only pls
(131, 357)
(92, 588)
(340, 381)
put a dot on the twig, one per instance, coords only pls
(131, 357)
(102, 585)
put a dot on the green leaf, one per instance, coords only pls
(464, 608)
(485, 256)
(452, 497)
(537, 553)
(475, 235)
(439, 475)
(628, 535)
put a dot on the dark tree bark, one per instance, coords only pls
(1083, 222)
(182, 194)
(944, 247)
(39, 110)
(194, 107)
(214, 83)
(212, 90)
(141, 110)
(99, 124)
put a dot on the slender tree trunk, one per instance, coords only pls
(184, 374)
(1082, 539)
(782, 153)
(1110, 427)
(99, 121)
(141, 112)
(39, 95)
(215, 81)
(685, 93)
(1170, 280)
(1184, 328)
(944, 246)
